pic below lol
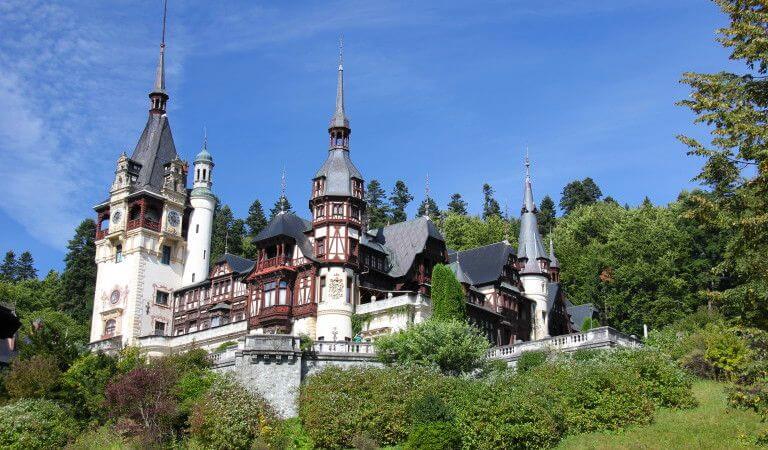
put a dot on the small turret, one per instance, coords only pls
(554, 264)
(203, 203)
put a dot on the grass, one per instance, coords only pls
(711, 425)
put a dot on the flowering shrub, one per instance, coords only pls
(35, 424)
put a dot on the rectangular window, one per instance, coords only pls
(352, 247)
(197, 228)
(119, 254)
(269, 294)
(356, 213)
(159, 328)
(161, 298)
(320, 246)
(283, 294)
(322, 288)
(338, 210)
(320, 212)
(349, 290)
(166, 255)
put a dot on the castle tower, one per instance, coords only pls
(337, 208)
(140, 237)
(533, 261)
(201, 219)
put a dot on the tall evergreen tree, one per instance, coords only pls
(447, 295)
(376, 210)
(282, 204)
(9, 267)
(399, 199)
(546, 215)
(26, 267)
(222, 221)
(490, 205)
(78, 281)
(256, 220)
(429, 208)
(457, 205)
(578, 193)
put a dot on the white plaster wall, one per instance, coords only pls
(334, 313)
(535, 288)
(305, 326)
(156, 276)
(111, 276)
(199, 240)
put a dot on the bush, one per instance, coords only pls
(102, 438)
(448, 298)
(36, 377)
(84, 383)
(35, 424)
(231, 417)
(434, 436)
(454, 347)
(530, 360)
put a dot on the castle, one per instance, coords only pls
(328, 277)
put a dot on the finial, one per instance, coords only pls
(158, 96)
(226, 241)
(282, 191)
(165, 11)
(205, 137)
(341, 52)
(426, 187)
(527, 163)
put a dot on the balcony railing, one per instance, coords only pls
(273, 262)
(307, 309)
(145, 223)
(101, 233)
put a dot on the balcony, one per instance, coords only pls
(100, 234)
(272, 314)
(149, 224)
(305, 310)
(278, 261)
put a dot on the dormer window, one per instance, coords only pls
(318, 188)
(338, 210)
(357, 188)
(320, 212)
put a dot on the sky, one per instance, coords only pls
(455, 91)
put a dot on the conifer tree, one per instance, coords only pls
(282, 204)
(429, 208)
(256, 220)
(490, 205)
(546, 215)
(457, 205)
(222, 221)
(78, 281)
(399, 199)
(9, 267)
(578, 193)
(26, 267)
(376, 209)
(448, 301)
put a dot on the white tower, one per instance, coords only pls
(201, 219)
(534, 263)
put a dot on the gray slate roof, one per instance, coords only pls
(154, 150)
(338, 171)
(403, 241)
(482, 265)
(529, 241)
(238, 264)
(291, 225)
(580, 312)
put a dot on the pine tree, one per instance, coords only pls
(546, 215)
(448, 301)
(376, 209)
(222, 221)
(578, 193)
(282, 204)
(26, 267)
(457, 205)
(78, 281)
(429, 208)
(256, 220)
(399, 199)
(490, 205)
(9, 267)
(235, 237)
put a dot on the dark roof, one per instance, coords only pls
(553, 289)
(580, 312)
(154, 150)
(291, 225)
(483, 264)
(338, 171)
(238, 264)
(403, 241)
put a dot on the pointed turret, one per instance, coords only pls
(554, 264)
(339, 119)
(158, 97)
(530, 247)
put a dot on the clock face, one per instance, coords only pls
(115, 297)
(173, 218)
(116, 216)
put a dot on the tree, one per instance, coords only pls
(83, 384)
(26, 267)
(376, 211)
(448, 300)
(546, 215)
(256, 220)
(578, 193)
(52, 333)
(282, 204)
(78, 281)
(465, 232)
(457, 205)
(36, 424)
(735, 168)
(9, 267)
(228, 233)
(399, 199)
(490, 205)
(36, 377)
(429, 208)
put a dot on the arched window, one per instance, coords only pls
(205, 175)
(198, 175)
(109, 327)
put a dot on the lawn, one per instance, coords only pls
(711, 425)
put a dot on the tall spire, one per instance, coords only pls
(528, 204)
(282, 191)
(530, 246)
(339, 120)
(158, 96)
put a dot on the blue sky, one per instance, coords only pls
(456, 90)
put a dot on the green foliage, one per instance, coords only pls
(103, 438)
(26, 267)
(428, 207)
(230, 417)
(457, 205)
(256, 221)
(290, 434)
(377, 210)
(438, 435)
(579, 193)
(281, 204)
(452, 346)
(35, 424)
(399, 199)
(531, 359)
(228, 233)
(589, 323)
(83, 385)
(78, 281)
(448, 299)
(490, 205)
(32, 295)
(36, 377)
(546, 215)
(9, 267)
(225, 345)
(463, 232)
(359, 321)
(54, 334)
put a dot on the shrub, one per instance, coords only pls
(434, 436)
(36, 377)
(83, 384)
(290, 434)
(35, 424)
(454, 347)
(448, 299)
(338, 404)
(102, 438)
(231, 417)
(225, 345)
(530, 360)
